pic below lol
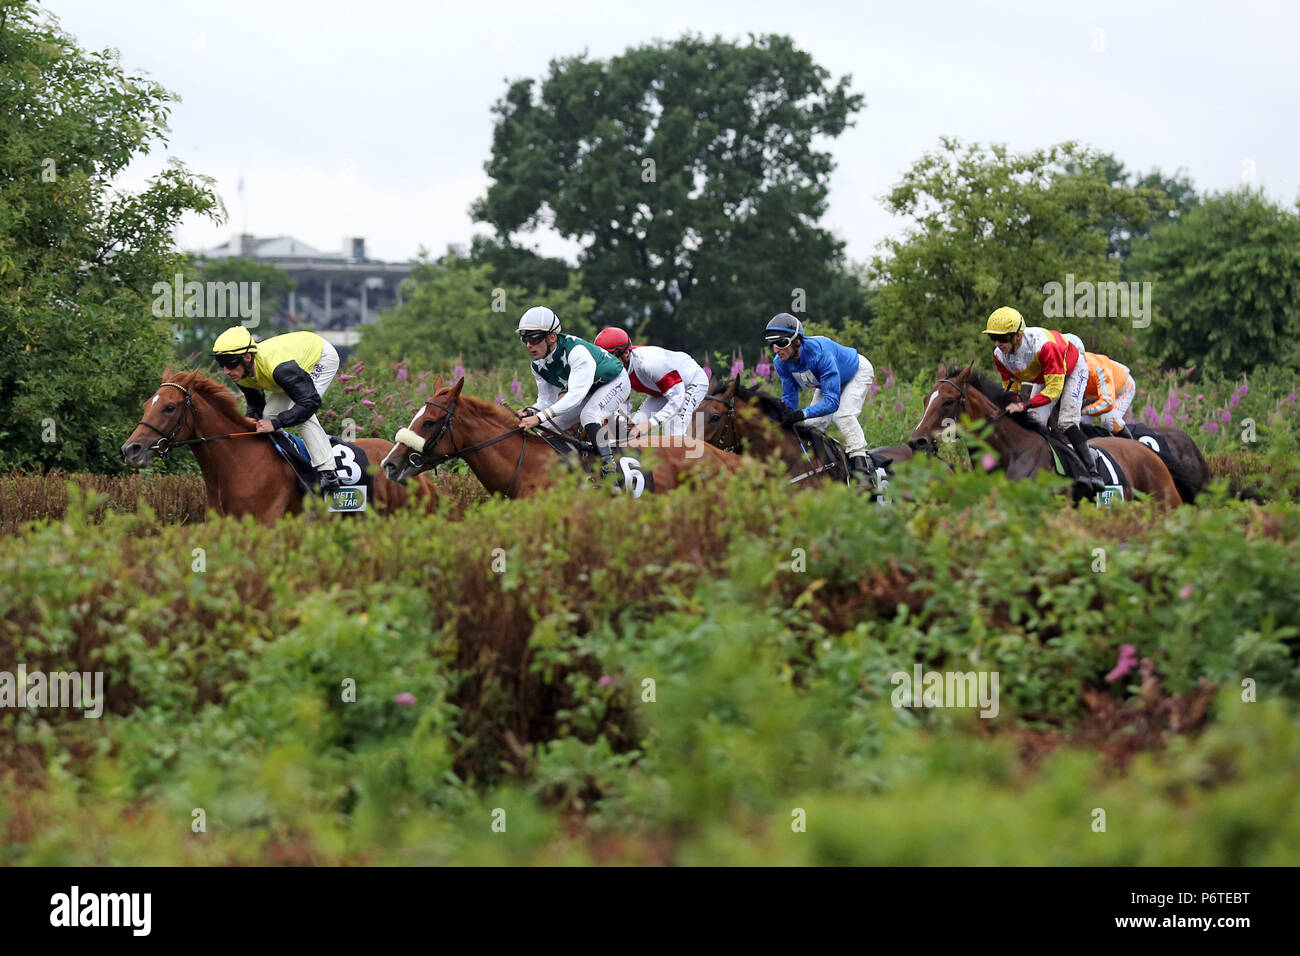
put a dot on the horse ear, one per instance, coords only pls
(730, 390)
(965, 373)
(455, 389)
(437, 382)
(942, 373)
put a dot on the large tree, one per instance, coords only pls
(1227, 283)
(990, 228)
(79, 345)
(689, 173)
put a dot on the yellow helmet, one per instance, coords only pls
(1005, 321)
(234, 341)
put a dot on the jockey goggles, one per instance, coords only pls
(532, 338)
(1004, 338)
(230, 361)
(781, 343)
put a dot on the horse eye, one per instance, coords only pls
(170, 408)
(715, 418)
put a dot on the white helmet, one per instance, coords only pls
(539, 319)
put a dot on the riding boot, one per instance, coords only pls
(1092, 475)
(862, 469)
(592, 434)
(329, 480)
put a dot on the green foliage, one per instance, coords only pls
(1227, 280)
(689, 173)
(453, 312)
(529, 689)
(991, 229)
(79, 346)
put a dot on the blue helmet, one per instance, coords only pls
(783, 326)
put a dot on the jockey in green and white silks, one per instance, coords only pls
(594, 383)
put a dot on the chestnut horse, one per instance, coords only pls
(506, 459)
(1020, 448)
(746, 420)
(243, 475)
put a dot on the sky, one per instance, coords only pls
(374, 118)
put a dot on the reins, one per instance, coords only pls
(167, 442)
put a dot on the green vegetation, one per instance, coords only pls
(79, 344)
(772, 685)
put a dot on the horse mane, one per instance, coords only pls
(221, 398)
(769, 405)
(993, 391)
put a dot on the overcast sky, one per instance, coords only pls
(372, 118)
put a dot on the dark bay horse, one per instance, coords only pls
(242, 476)
(1021, 450)
(747, 420)
(509, 461)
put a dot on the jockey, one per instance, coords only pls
(295, 369)
(1110, 392)
(594, 383)
(841, 377)
(1055, 364)
(674, 382)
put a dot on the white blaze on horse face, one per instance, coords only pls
(155, 400)
(928, 403)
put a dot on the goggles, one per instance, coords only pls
(532, 338)
(230, 361)
(781, 343)
(1004, 338)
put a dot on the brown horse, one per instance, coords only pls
(243, 475)
(1021, 450)
(507, 460)
(747, 420)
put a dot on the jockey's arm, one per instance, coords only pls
(255, 399)
(298, 385)
(582, 375)
(789, 387)
(1051, 358)
(828, 380)
(674, 391)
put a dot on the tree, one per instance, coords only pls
(79, 345)
(513, 265)
(1173, 198)
(455, 311)
(1227, 280)
(992, 229)
(688, 173)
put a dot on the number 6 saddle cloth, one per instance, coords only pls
(350, 462)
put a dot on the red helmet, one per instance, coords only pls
(613, 339)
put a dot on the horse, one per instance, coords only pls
(1187, 466)
(748, 426)
(1021, 449)
(241, 477)
(508, 460)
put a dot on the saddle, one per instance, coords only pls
(1063, 453)
(581, 455)
(350, 464)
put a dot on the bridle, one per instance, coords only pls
(167, 441)
(730, 405)
(447, 426)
